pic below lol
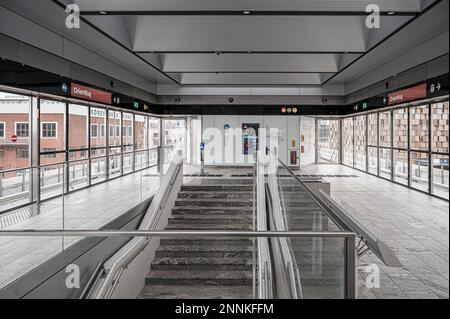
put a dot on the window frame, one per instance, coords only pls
(42, 130)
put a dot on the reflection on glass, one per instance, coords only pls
(401, 167)
(98, 170)
(401, 128)
(128, 142)
(440, 176)
(328, 140)
(385, 129)
(347, 132)
(419, 128)
(141, 131)
(373, 160)
(360, 142)
(15, 149)
(440, 128)
(78, 170)
(52, 137)
(175, 131)
(372, 120)
(98, 127)
(419, 170)
(385, 163)
(321, 260)
(115, 162)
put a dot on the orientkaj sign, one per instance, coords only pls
(90, 94)
(408, 95)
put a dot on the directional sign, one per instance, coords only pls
(438, 86)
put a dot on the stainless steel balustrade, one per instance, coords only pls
(368, 241)
(288, 281)
(264, 260)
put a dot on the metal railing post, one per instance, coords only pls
(350, 268)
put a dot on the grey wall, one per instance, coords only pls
(434, 68)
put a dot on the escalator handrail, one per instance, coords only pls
(289, 260)
(347, 223)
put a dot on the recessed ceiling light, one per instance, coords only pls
(391, 13)
(103, 12)
(247, 12)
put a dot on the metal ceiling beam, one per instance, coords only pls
(243, 13)
(250, 52)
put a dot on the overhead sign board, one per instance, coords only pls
(438, 86)
(408, 95)
(90, 94)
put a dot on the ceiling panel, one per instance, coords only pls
(251, 62)
(256, 33)
(250, 79)
(270, 5)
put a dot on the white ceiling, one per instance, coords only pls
(211, 42)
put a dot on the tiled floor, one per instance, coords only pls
(413, 224)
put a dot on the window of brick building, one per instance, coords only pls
(49, 129)
(22, 129)
(22, 152)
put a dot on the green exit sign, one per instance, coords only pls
(136, 105)
(365, 105)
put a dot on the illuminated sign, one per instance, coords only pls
(90, 94)
(411, 94)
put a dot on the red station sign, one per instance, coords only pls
(407, 95)
(90, 94)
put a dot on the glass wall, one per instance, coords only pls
(328, 140)
(400, 143)
(440, 149)
(407, 144)
(347, 139)
(52, 147)
(154, 124)
(97, 143)
(360, 142)
(175, 135)
(372, 141)
(79, 145)
(15, 149)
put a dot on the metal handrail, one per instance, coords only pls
(172, 234)
(93, 280)
(264, 260)
(368, 239)
(128, 253)
(80, 160)
(289, 261)
(346, 222)
(314, 197)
